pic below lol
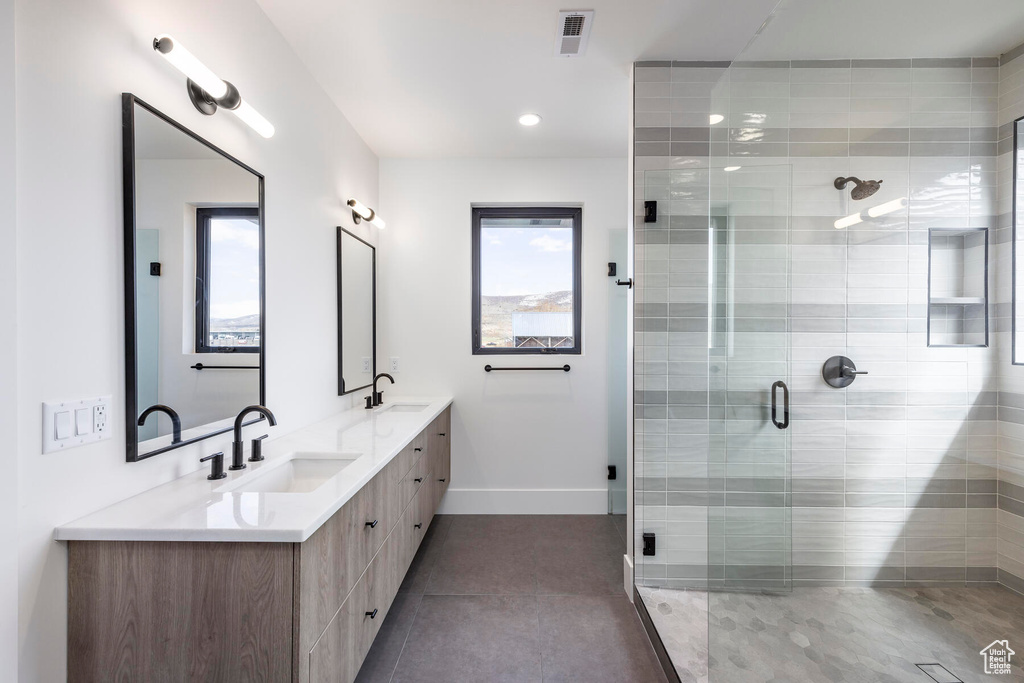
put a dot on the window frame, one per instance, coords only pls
(576, 214)
(203, 248)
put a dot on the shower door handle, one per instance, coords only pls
(785, 405)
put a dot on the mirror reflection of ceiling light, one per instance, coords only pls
(848, 221)
(873, 212)
(207, 91)
(715, 118)
(730, 169)
(888, 207)
(529, 119)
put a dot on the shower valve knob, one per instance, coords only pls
(840, 371)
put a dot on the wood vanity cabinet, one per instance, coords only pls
(300, 612)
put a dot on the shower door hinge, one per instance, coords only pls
(611, 472)
(650, 211)
(649, 544)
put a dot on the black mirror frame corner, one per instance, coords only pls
(128, 103)
(342, 390)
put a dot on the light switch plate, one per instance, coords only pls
(83, 430)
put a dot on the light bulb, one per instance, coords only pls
(186, 62)
(529, 119)
(254, 119)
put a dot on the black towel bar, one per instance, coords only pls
(563, 368)
(200, 366)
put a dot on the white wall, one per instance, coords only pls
(522, 442)
(73, 61)
(8, 358)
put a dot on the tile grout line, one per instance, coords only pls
(412, 622)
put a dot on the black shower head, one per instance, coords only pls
(864, 188)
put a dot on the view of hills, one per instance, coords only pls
(246, 323)
(496, 313)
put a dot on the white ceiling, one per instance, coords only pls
(449, 78)
(890, 29)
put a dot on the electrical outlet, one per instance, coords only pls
(366, 365)
(394, 364)
(68, 424)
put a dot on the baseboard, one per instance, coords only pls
(1011, 581)
(525, 502)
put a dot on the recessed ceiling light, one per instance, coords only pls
(529, 119)
(715, 118)
(730, 169)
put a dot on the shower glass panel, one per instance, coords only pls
(749, 468)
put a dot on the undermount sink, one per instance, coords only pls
(303, 473)
(404, 408)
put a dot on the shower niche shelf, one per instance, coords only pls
(958, 287)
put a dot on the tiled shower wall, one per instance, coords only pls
(895, 478)
(1010, 514)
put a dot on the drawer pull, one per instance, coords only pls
(442, 434)
(372, 614)
(441, 480)
(417, 450)
(418, 479)
(372, 525)
(418, 526)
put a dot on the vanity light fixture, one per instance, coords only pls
(360, 212)
(529, 119)
(206, 90)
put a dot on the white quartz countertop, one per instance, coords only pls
(194, 508)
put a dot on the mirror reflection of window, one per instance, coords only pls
(227, 280)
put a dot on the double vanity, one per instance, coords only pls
(283, 571)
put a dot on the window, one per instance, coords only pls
(228, 287)
(527, 280)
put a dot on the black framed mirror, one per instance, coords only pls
(194, 284)
(357, 313)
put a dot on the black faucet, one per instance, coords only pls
(377, 397)
(175, 420)
(237, 448)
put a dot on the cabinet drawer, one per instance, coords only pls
(341, 649)
(413, 480)
(333, 558)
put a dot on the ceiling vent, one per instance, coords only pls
(573, 33)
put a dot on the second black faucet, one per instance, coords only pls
(237, 447)
(377, 397)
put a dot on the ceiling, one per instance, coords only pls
(449, 78)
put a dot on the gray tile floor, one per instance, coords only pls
(515, 598)
(860, 635)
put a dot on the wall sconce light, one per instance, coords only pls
(206, 90)
(364, 213)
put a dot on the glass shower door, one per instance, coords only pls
(749, 468)
(750, 422)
